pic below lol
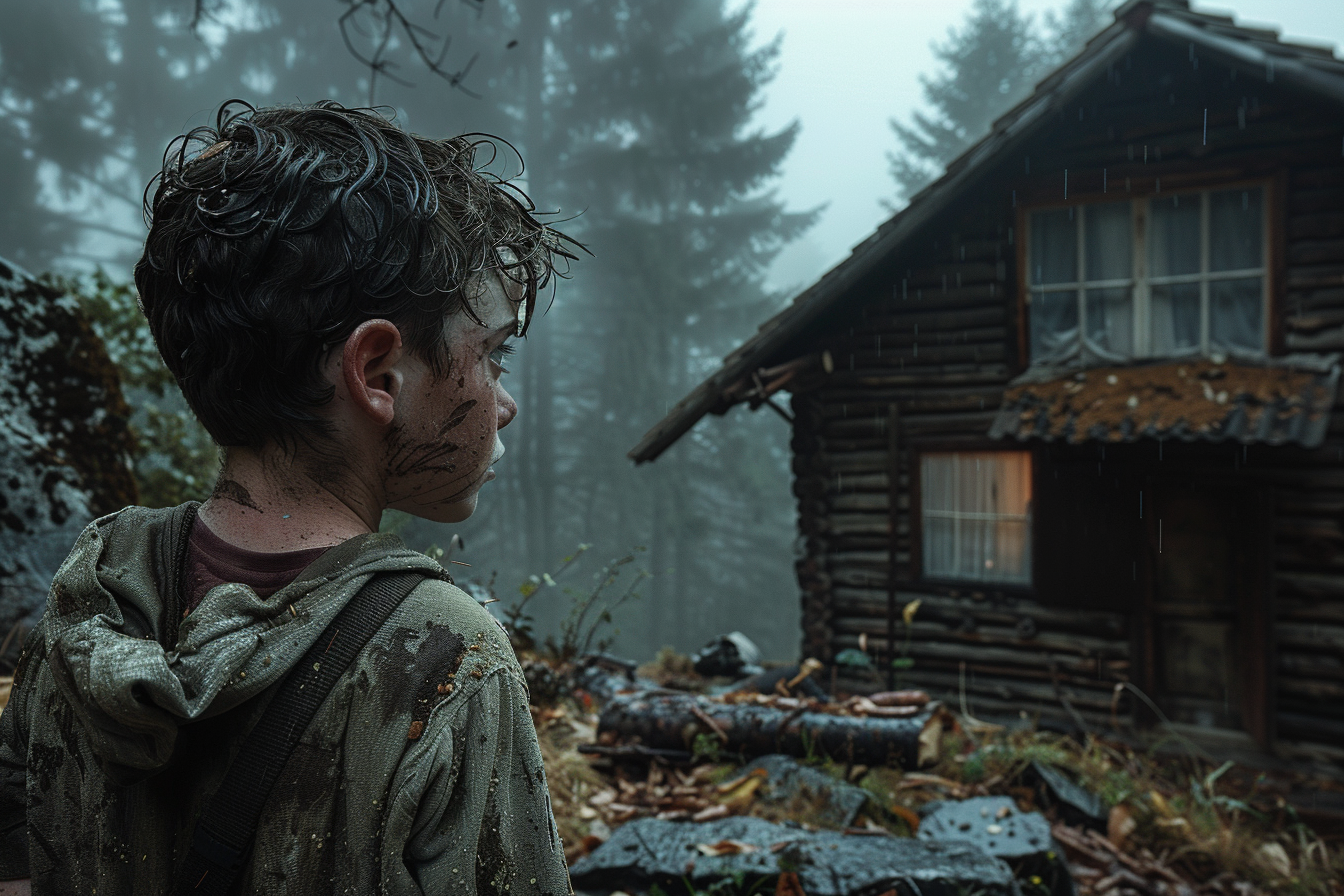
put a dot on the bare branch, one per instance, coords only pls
(388, 19)
(200, 12)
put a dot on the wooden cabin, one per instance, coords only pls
(1079, 400)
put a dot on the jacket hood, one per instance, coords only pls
(134, 670)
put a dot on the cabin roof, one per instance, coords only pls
(1272, 402)
(1312, 68)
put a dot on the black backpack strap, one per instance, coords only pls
(229, 820)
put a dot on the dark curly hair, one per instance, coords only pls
(278, 231)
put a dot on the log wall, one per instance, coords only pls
(936, 337)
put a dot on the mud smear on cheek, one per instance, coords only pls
(409, 458)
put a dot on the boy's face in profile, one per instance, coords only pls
(444, 434)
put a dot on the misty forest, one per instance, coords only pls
(634, 123)
(1032, 525)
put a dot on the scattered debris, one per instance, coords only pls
(650, 852)
(790, 785)
(1077, 805)
(732, 655)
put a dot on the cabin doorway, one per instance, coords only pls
(1206, 614)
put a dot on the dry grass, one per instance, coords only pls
(1222, 829)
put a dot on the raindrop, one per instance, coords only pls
(1066, 183)
(1206, 127)
(1103, 180)
(1145, 153)
(1159, 535)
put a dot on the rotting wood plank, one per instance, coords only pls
(945, 682)
(1317, 225)
(1081, 645)
(1310, 666)
(975, 374)
(1099, 674)
(1322, 638)
(875, 343)
(1317, 251)
(918, 354)
(1291, 609)
(1005, 613)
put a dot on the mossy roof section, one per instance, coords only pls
(1196, 399)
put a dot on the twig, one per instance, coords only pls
(1059, 695)
(393, 19)
(709, 721)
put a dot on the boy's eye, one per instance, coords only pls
(498, 355)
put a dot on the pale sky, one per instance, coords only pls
(848, 66)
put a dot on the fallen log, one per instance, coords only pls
(672, 721)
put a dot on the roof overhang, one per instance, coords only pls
(1275, 401)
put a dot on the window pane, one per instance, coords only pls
(1236, 315)
(1054, 326)
(1173, 235)
(1054, 247)
(976, 509)
(1175, 317)
(1107, 230)
(1235, 235)
(1110, 321)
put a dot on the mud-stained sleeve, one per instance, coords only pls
(484, 823)
(14, 769)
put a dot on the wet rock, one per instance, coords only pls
(649, 851)
(995, 825)
(64, 443)
(733, 655)
(991, 822)
(792, 785)
(1077, 805)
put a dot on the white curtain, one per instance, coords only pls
(976, 509)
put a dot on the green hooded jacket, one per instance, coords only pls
(419, 774)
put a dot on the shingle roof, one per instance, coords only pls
(1274, 402)
(1312, 68)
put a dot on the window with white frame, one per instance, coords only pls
(975, 509)
(1170, 275)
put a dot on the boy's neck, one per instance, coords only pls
(267, 501)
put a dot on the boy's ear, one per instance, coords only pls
(369, 369)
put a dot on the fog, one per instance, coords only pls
(711, 170)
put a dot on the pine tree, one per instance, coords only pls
(1069, 30)
(680, 219)
(988, 66)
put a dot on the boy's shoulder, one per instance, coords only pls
(440, 630)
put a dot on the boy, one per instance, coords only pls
(335, 298)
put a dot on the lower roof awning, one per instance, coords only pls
(1276, 401)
